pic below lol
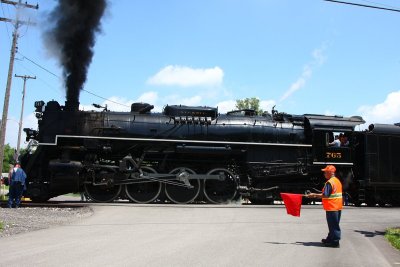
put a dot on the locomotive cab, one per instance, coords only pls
(324, 153)
(322, 129)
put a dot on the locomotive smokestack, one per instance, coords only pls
(74, 25)
(71, 106)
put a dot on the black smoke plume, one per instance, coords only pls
(73, 33)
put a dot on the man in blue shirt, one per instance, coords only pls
(17, 184)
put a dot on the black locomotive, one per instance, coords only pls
(194, 154)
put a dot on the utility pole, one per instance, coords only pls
(10, 71)
(25, 77)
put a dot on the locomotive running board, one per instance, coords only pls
(173, 141)
(333, 163)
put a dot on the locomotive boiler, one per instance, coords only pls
(194, 154)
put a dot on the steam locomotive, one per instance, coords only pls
(194, 154)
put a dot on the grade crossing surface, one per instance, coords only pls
(206, 235)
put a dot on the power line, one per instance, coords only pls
(105, 98)
(58, 91)
(361, 5)
(4, 14)
(377, 3)
(55, 75)
(43, 68)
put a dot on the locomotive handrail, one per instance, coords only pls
(333, 163)
(173, 141)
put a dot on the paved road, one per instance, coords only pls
(233, 235)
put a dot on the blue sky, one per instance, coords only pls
(308, 56)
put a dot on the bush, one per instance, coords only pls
(8, 157)
(393, 235)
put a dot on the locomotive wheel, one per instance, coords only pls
(102, 193)
(180, 194)
(217, 191)
(144, 192)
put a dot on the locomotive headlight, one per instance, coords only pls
(30, 134)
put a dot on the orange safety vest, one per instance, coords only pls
(334, 201)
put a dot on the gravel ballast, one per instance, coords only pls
(26, 219)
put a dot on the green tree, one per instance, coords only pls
(8, 157)
(249, 103)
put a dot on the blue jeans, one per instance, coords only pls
(15, 193)
(333, 219)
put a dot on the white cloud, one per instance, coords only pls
(318, 56)
(148, 97)
(226, 106)
(317, 60)
(116, 103)
(192, 101)
(266, 105)
(30, 121)
(186, 76)
(386, 112)
(329, 113)
(180, 100)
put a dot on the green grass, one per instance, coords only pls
(1, 226)
(393, 235)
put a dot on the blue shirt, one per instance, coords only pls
(18, 175)
(327, 189)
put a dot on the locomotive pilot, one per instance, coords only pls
(332, 203)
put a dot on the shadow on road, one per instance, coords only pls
(310, 244)
(369, 234)
(306, 244)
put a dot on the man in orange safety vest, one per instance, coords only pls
(332, 202)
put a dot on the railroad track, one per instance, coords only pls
(50, 204)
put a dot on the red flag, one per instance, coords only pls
(292, 203)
